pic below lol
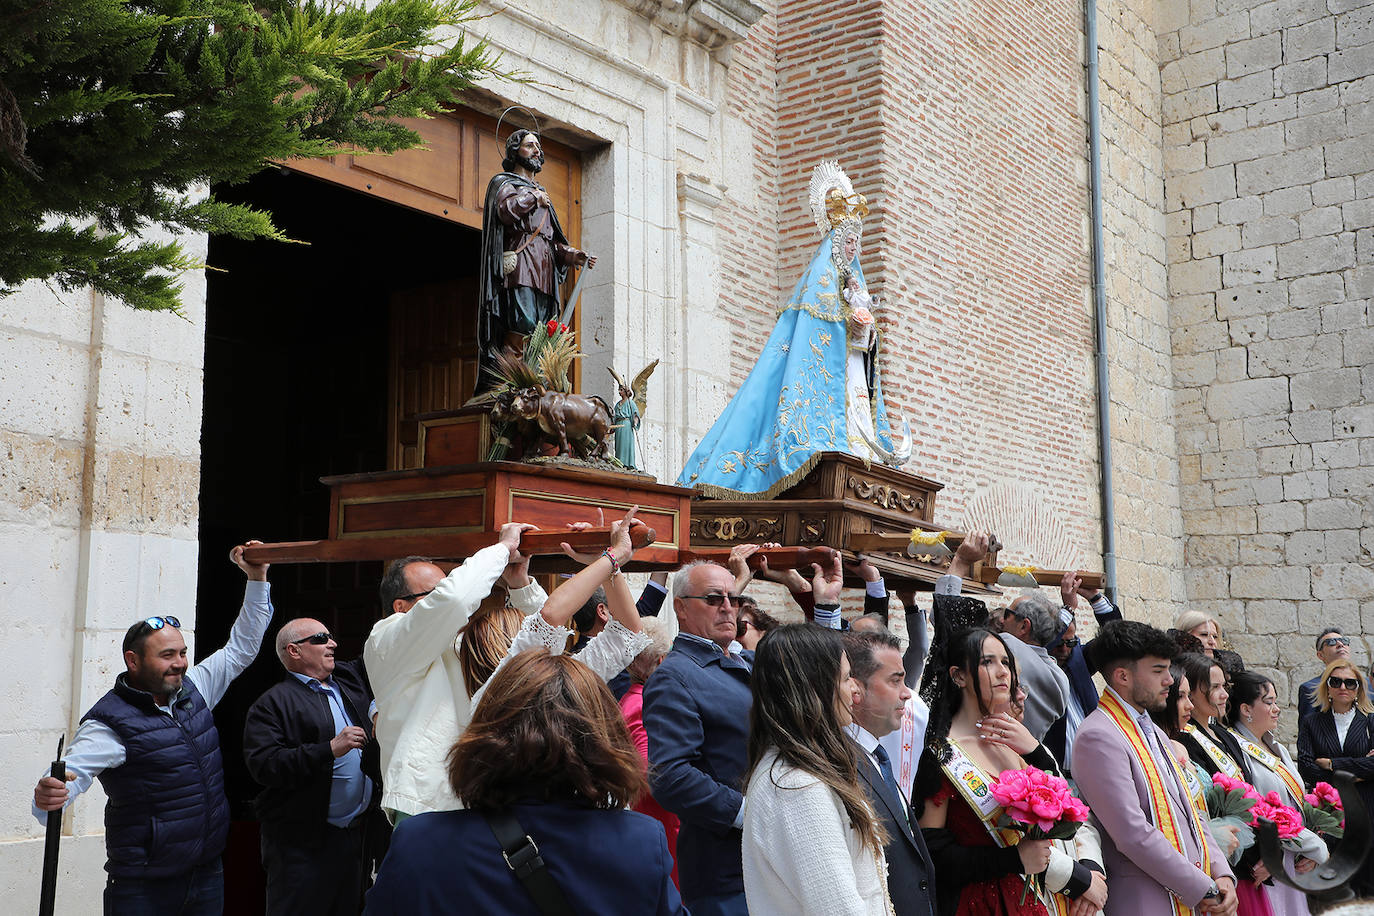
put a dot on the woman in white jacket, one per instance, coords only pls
(812, 844)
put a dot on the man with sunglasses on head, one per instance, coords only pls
(696, 714)
(1331, 645)
(307, 743)
(152, 743)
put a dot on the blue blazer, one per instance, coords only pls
(449, 862)
(696, 713)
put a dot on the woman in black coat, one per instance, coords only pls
(1337, 737)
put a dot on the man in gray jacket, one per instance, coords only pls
(1029, 624)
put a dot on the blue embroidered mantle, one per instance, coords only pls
(792, 406)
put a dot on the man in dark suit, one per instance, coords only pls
(875, 663)
(304, 742)
(696, 714)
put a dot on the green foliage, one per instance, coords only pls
(116, 116)
(1323, 820)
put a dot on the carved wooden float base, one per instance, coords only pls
(838, 505)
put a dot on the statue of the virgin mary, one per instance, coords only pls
(815, 387)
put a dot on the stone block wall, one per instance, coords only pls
(1149, 522)
(1269, 196)
(100, 436)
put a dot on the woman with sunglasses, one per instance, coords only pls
(1253, 717)
(1337, 737)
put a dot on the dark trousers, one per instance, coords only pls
(313, 869)
(198, 892)
(720, 905)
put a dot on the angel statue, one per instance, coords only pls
(816, 385)
(634, 398)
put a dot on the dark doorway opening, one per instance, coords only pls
(301, 382)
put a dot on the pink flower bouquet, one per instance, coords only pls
(1039, 806)
(1322, 811)
(1295, 834)
(1229, 803)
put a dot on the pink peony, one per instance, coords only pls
(1075, 810)
(1037, 799)
(1312, 800)
(1288, 822)
(1011, 787)
(1231, 784)
(1261, 810)
(1327, 793)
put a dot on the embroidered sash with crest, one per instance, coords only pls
(1160, 806)
(974, 786)
(1274, 764)
(1222, 759)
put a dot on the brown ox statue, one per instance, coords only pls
(565, 420)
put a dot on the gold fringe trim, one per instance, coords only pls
(790, 480)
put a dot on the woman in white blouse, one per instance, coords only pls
(1338, 737)
(812, 844)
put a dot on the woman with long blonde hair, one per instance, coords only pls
(1338, 737)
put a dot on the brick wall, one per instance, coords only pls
(965, 128)
(747, 221)
(1270, 200)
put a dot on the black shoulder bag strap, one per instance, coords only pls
(523, 858)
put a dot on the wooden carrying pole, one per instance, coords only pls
(545, 546)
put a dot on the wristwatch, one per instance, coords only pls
(1212, 892)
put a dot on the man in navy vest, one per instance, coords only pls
(152, 743)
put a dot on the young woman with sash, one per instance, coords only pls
(1209, 744)
(981, 869)
(1253, 717)
(1337, 737)
(1176, 721)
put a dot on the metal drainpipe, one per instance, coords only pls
(1104, 428)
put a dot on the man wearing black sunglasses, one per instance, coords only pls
(152, 743)
(307, 743)
(1331, 644)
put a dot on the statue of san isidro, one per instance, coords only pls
(525, 255)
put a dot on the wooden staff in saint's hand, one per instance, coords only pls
(48, 896)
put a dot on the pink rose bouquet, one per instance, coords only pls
(1039, 806)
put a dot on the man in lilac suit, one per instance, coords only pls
(1149, 865)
